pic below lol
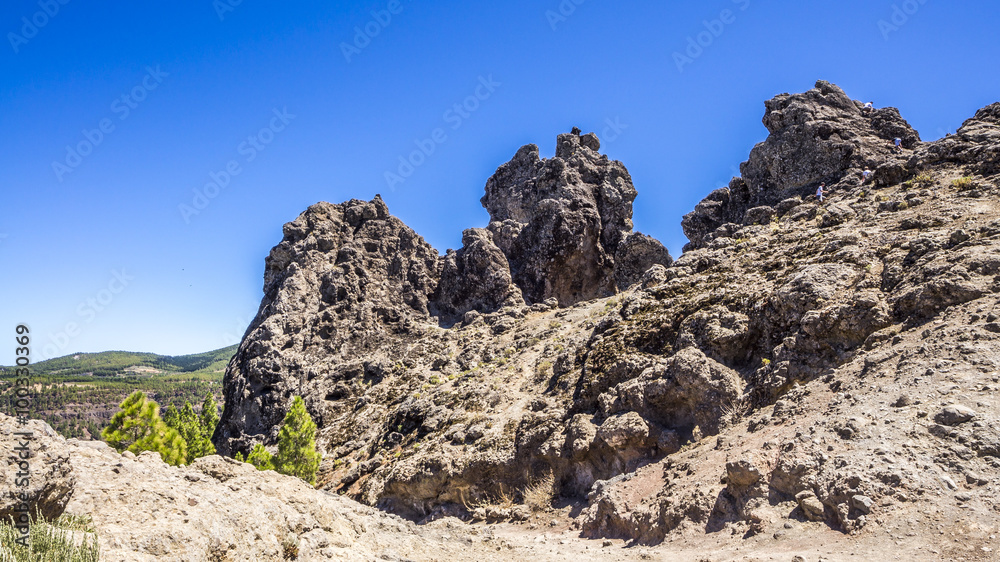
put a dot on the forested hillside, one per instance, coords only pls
(79, 393)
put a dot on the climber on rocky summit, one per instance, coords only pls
(869, 107)
(865, 175)
(898, 144)
(819, 192)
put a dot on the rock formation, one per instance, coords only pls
(792, 361)
(350, 287)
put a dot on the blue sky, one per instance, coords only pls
(114, 115)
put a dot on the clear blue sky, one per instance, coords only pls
(197, 85)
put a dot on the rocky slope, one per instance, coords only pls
(792, 360)
(814, 379)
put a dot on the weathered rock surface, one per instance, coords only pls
(218, 509)
(818, 136)
(754, 378)
(561, 221)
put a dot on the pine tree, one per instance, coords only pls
(260, 458)
(190, 428)
(209, 416)
(297, 455)
(171, 416)
(138, 427)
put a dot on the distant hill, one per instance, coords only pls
(128, 363)
(77, 394)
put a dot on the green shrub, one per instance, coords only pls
(47, 541)
(963, 183)
(260, 458)
(923, 180)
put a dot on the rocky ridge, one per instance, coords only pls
(814, 378)
(457, 392)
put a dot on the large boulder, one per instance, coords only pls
(476, 277)
(345, 280)
(560, 220)
(821, 135)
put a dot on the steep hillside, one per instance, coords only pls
(77, 394)
(797, 360)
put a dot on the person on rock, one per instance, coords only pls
(819, 192)
(869, 107)
(865, 175)
(898, 144)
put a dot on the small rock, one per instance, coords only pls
(810, 504)
(954, 414)
(959, 236)
(607, 543)
(862, 503)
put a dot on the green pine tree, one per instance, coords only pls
(191, 429)
(297, 455)
(239, 456)
(260, 458)
(138, 427)
(209, 416)
(171, 416)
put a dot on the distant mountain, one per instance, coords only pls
(128, 363)
(77, 394)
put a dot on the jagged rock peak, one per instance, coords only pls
(561, 221)
(818, 136)
(350, 282)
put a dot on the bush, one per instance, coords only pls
(963, 183)
(260, 458)
(47, 541)
(543, 370)
(539, 495)
(923, 180)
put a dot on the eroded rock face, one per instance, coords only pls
(344, 281)
(469, 382)
(476, 277)
(560, 221)
(975, 146)
(350, 286)
(817, 136)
